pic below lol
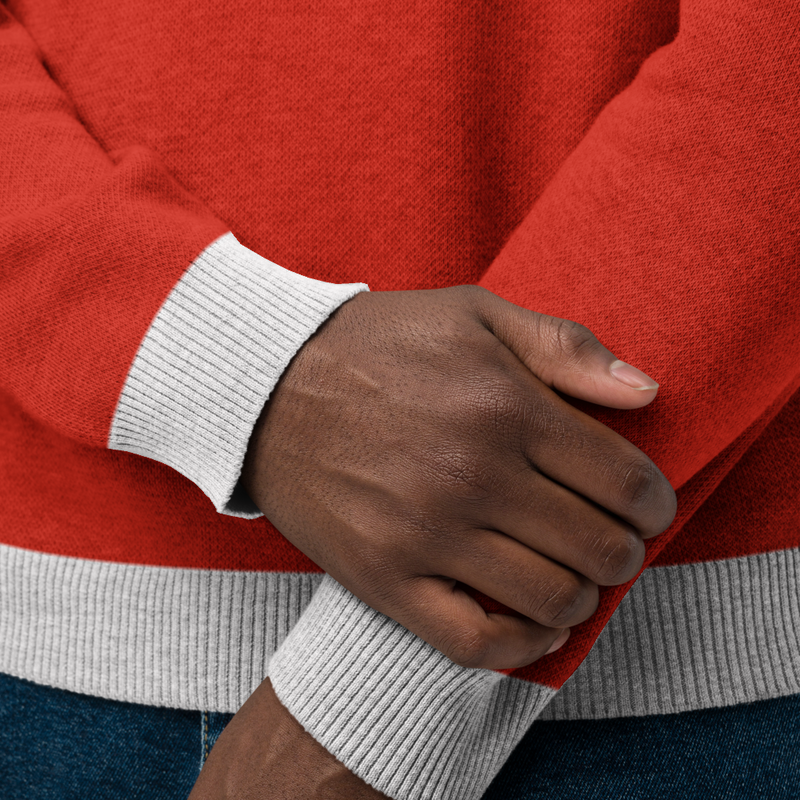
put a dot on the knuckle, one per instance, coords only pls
(620, 559)
(463, 475)
(562, 605)
(375, 574)
(472, 294)
(638, 485)
(572, 338)
(501, 404)
(468, 648)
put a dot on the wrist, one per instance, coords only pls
(265, 752)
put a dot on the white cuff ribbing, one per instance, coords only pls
(395, 711)
(210, 360)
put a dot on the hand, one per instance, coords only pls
(413, 446)
(264, 754)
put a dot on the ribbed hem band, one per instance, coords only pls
(394, 710)
(694, 636)
(181, 638)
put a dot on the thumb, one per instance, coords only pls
(567, 356)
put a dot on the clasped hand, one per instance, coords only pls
(415, 446)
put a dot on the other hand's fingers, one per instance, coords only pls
(584, 455)
(524, 580)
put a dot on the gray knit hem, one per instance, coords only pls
(694, 636)
(195, 639)
(210, 360)
(407, 720)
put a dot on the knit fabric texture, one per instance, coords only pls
(631, 166)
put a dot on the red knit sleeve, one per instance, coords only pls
(90, 245)
(673, 233)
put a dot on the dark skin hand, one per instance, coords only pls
(415, 444)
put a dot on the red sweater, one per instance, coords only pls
(621, 165)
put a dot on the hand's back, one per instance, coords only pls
(413, 446)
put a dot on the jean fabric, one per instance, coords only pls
(744, 752)
(56, 745)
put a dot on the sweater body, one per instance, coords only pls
(624, 165)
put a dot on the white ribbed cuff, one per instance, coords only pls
(398, 713)
(210, 360)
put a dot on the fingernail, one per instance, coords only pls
(562, 637)
(632, 377)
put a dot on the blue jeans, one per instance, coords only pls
(58, 745)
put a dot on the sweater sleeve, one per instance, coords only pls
(130, 317)
(672, 232)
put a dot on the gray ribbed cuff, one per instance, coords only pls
(210, 360)
(398, 713)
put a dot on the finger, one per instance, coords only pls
(566, 355)
(522, 579)
(582, 454)
(566, 528)
(446, 617)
